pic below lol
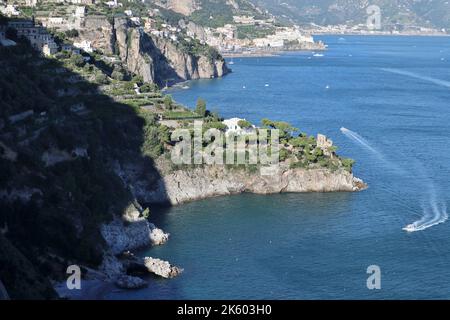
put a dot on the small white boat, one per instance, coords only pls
(185, 87)
(318, 55)
(231, 63)
(410, 228)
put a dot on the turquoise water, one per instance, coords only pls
(393, 94)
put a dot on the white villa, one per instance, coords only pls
(84, 45)
(9, 10)
(233, 126)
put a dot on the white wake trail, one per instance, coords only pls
(356, 137)
(438, 82)
(364, 143)
(434, 211)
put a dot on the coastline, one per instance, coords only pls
(387, 34)
(188, 185)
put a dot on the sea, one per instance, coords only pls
(385, 102)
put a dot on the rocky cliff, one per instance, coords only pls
(157, 59)
(209, 181)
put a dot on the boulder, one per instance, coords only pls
(161, 268)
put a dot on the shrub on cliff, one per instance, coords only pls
(348, 163)
(168, 102)
(72, 33)
(244, 124)
(200, 108)
(77, 60)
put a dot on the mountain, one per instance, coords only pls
(430, 13)
(211, 13)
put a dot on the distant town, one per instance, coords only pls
(262, 36)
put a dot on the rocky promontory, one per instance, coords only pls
(204, 182)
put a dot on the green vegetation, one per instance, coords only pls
(168, 102)
(254, 31)
(180, 115)
(213, 14)
(195, 48)
(72, 33)
(60, 221)
(200, 108)
(244, 124)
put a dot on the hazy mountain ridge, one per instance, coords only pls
(329, 12)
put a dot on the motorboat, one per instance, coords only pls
(410, 228)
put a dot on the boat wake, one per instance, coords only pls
(356, 137)
(434, 210)
(438, 82)
(433, 215)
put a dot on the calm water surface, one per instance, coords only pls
(393, 92)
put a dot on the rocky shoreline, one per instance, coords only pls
(123, 270)
(120, 268)
(188, 185)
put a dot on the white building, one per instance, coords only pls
(244, 19)
(234, 127)
(269, 42)
(80, 12)
(31, 3)
(84, 45)
(128, 13)
(282, 36)
(9, 10)
(136, 20)
(50, 48)
(113, 4)
(228, 31)
(39, 38)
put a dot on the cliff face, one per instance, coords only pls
(100, 32)
(135, 50)
(200, 183)
(156, 59)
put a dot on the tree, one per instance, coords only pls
(244, 124)
(285, 129)
(215, 125)
(77, 60)
(348, 163)
(164, 134)
(118, 75)
(168, 102)
(72, 33)
(148, 87)
(200, 109)
(101, 79)
(139, 80)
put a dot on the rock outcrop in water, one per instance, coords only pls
(131, 232)
(209, 181)
(161, 268)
